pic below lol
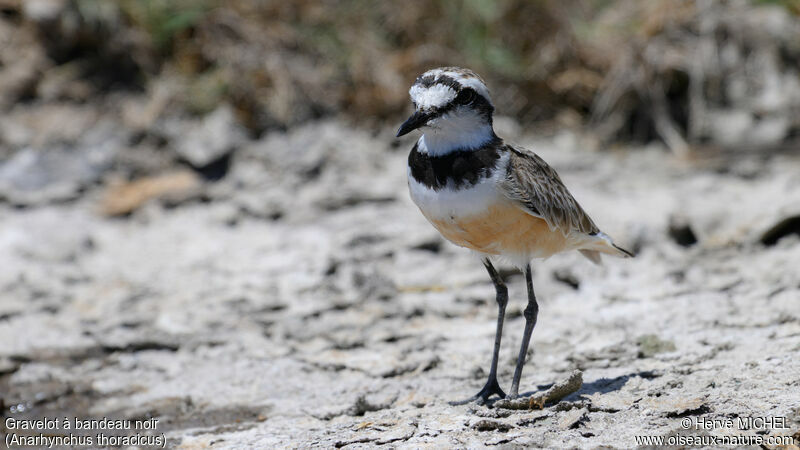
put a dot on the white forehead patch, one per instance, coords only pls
(438, 95)
(434, 96)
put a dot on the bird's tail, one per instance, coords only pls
(602, 243)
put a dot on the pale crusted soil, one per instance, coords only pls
(303, 301)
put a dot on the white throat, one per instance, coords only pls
(455, 133)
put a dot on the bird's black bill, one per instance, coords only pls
(416, 120)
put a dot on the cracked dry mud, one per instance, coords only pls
(306, 302)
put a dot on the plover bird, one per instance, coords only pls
(494, 198)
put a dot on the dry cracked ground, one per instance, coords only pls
(302, 301)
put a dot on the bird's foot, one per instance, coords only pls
(491, 388)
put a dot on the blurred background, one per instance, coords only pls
(201, 197)
(690, 74)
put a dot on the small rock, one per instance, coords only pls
(491, 425)
(398, 433)
(650, 345)
(681, 232)
(572, 418)
(374, 285)
(364, 405)
(674, 406)
(39, 176)
(201, 143)
(612, 401)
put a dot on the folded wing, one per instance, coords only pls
(539, 190)
(536, 188)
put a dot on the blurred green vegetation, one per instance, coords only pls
(353, 56)
(164, 20)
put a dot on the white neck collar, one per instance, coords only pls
(437, 141)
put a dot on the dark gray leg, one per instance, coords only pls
(492, 387)
(530, 313)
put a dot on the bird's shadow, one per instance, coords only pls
(606, 385)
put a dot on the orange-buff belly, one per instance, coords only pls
(503, 229)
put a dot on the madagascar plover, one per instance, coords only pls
(494, 198)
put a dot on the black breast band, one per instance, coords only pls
(462, 168)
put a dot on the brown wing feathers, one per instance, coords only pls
(539, 189)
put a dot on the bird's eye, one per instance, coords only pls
(465, 97)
